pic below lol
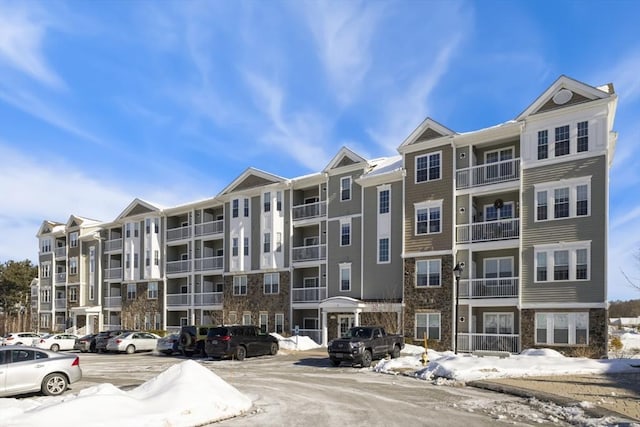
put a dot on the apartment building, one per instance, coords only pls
(492, 239)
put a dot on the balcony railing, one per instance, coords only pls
(60, 303)
(207, 298)
(113, 273)
(213, 263)
(501, 287)
(309, 294)
(113, 302)
(61, 277)
(113, 245)
(209, 228)
(183, 266)
(60, 252)
(309, 253)
(502, 229)
(309, 210)
(468, 343)
(178, 299)
(491, 173)
(179, 233)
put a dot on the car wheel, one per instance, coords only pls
(366, 359)
(335, 362)
(273, 350)
(130, 349)
(396, 352)
(55, 347)
(54, 384)
(241, 353)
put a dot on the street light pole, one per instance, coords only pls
(457, 271)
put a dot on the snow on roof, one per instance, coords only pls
(384, 165)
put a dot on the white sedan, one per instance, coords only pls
(55, 342)
(130, 342)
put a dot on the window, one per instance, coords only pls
(428, 217)
(234, 246)
(152, 290)
(345, 233)
(428, 167)
(383, 201)
(491, 213)
(498, 323)
(428, 273)
(45, 320)
(46, 245)
(427, 324)
(136, 229)
(73, 294)
(345, 277)
(45, 295)
(73, 240)
(267, 201)
(562, 328)
(73, 265)
(147, 258)
(246, 318)
(263, 322)
(135, 260)
(569, 199)
(131, 291)
(583, 137)
(271, 283)
(278, 242)
(498, 165)
(156, 257)
(46, 270)
(245, 249)
(562, 141)
(383, 250)
(156, 225)
(568, 262)
(279, 201)
(239, 285)
(279, 321)
(246, 208)
(127, 228)
(147, 226)
(233, 317)
(234, 208)
(345, 188)
(127, 262)
(267, 243)
(543, 144)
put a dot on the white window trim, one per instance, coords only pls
(239, 287)
(415, 325)
(387, 188)
(573, 139)
(264, 283)
(499, 150)
(388, 261)
(497, 313)
(344, 178)
(341, 267)
(415, 275)
(550, 188)
(346, 222)
(415, 168)
(550, 328)
(484, 265)
(484, 211)
(571, 248)
(429, 204)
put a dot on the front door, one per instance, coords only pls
(345, 322)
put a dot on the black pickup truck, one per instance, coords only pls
(362, 344)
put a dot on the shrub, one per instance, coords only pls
(615, 344)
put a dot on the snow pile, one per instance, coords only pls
(186, 394)
(298, 343)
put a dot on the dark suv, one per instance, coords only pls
(239, 342)
(104, 336)
(192, 338)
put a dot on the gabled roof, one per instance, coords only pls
(48, 227)
(563, 92)
(345, 157)
(138, 207)
(251, 178)
(427, 130)
(78, 221)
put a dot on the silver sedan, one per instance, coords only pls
(28, 369)
(130, 342)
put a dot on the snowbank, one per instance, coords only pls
(298, 343)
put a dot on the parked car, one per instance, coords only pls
(86, 343)
(239, 342)
(362, 344)
(104, 336)
(130, 342)
(29, 369)
(192, 339)
(20, 338)
(56, 342)
(169, 345)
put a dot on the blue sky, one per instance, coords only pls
(103, 102)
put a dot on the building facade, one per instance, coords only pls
(520, 210)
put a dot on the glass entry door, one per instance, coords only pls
(345, 322)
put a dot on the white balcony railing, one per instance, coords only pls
(501, 287)
(309, 253)
(60, 303)
(468, 343)
(113, 273)
(179, 233)
(183, 266)
(309, 210)
(502, 229)
(113, 245)
(492, 173)
(309, 294)
(178, 299)
(213, 263)
(207, 298)
(113, 302)
(60, 252)
(209, 228)
(61, 277)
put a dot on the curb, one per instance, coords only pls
(596, 411)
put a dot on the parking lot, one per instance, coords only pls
(297, 388)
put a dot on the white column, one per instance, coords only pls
(325, 328)
(356, 321)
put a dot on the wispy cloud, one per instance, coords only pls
(22, 35)
(626, 77)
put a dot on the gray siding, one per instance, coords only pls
(338, 208)
(591, 228)
(337, 254)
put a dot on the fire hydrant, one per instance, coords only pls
(424, 358)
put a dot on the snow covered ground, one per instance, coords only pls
(188, 394)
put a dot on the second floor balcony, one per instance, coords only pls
(490, 173)
(60, 252)
(179, 233)
(212, 263)
(113, 245)
(60, 303)
(182, 266)
(315, 294)
(61, 277)
(209, 228)
(503, 229)
(309, 210)
(113, 273)
(113, 302)
(499, 287)
(309, 253)
(207, 298)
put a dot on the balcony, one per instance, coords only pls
(309, 210)
(213, 263)
(179, 233)
(113, 302)
(183, 266)
(178, 299)
(492, 173)
(113, 273)
(209, 228)
(309, 253)
(113, 245)
(503, 287)
(503, 229)
(207, 298)
(61, 277)
(61, 252)
(468, 343)
(60, 303)
(309, 294)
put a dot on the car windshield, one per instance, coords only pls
(359, 333)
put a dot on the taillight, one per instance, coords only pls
(76, 362)
(225, 338)
(41, 341)
(9, 339)
(118, 341)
